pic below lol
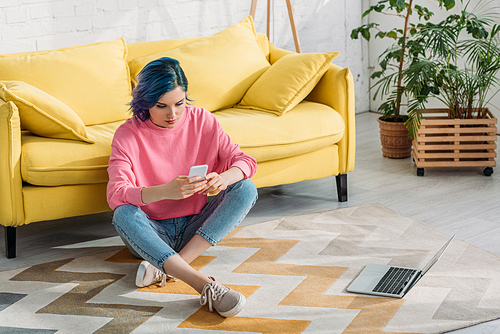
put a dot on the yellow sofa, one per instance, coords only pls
(59, 110)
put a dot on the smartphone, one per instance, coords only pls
(200, 171)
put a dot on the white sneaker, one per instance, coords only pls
(147, 274)
(224, 300)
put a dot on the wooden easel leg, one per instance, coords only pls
(268, 18)
(253, 8)
(292, 24)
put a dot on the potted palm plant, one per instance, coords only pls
(393, 62)
(459, 67)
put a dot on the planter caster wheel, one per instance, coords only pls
(420, 171)
(488, 171)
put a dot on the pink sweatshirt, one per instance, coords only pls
(145, 155)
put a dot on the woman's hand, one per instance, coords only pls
(179, 188)
(214, 184)
(183, 187)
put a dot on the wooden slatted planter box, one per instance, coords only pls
(445, 142)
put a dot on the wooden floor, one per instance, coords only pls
(457, 201)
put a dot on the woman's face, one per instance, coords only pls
(168, 110)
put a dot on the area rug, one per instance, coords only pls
(294, 272)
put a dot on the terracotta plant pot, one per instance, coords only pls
(396, 143)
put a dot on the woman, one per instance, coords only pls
(161, 214)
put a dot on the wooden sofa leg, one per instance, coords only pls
(341, 187)
(10, 241)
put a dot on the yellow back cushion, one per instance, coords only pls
(287, 82)
(219, 68)
(143, 49)
(42, 114)
(93, 80)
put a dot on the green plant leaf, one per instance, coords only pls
(366, 34)
(398, 54)
(398, 4)
(448, 4)
(377, 8)
(367, 12)
(425, 91)
(414, 117)
(388, 108)
(355, 33)
(392, 34)
(423, 12)
(383, 64)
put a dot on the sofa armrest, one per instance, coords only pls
(11, 210)
(336, 89)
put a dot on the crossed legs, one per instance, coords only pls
(172, 244)
(178, 265)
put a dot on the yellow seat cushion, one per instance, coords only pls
(219, 68)
(287, 82)
(308, 127)
(43, 114)
(54, 162)
(93, 80)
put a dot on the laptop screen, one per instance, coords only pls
(436, 257)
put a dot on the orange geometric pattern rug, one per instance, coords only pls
(294, 272)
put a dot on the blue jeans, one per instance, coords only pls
(157, 240)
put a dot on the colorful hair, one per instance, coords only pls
(155, 79)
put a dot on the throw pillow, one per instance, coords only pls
(219, 68)
(42, 114)
(93, 80)
(287, 82)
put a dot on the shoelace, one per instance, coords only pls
(159, 275)
(211, 293)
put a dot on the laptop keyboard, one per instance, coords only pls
(394, 280)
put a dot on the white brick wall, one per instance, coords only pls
(323, 25)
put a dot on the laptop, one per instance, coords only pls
(391, 281)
